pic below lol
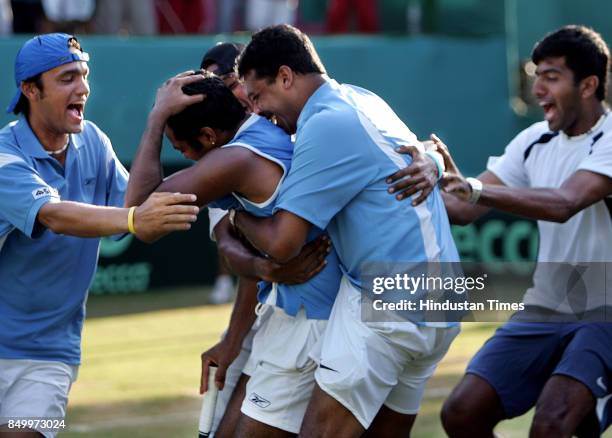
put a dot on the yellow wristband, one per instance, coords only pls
(131, 228)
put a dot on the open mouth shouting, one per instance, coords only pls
(75, 111)
(550, 111)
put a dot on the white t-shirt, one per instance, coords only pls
(538, 157)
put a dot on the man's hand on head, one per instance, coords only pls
(171, 99)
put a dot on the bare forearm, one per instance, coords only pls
(461, 212)
(243, 314)
(159, 215)
(146, 173)
(83, 220)
(273, 235)
(239, 258)
(244, 260)
(539, 204)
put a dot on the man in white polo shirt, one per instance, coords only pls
(559, 172)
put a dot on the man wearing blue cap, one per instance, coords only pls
(60, 181)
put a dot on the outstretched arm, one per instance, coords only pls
(462, 212)
(578, 192)
(419, 176)
(160, 214)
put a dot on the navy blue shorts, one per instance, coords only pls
(520, 357)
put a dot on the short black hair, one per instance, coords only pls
(220, 110)
(585, 52)
(23, 104)
(274, 46)
(224, 55)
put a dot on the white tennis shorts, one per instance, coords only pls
(282, 370)
(364, 365)
(35, 389)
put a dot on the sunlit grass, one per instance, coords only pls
(141, 367)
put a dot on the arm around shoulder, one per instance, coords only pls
(280, 236)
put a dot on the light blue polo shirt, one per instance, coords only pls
(317, 295)
(344, 150)
(44, 277)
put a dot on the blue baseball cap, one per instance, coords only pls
(40, 54)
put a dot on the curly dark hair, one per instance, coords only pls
(220, 109)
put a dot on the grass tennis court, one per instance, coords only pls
(141, 364)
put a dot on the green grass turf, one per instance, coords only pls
(141, 365)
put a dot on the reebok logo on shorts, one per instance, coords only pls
(259, 400)
(44, 191)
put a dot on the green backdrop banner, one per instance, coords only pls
(454, 87)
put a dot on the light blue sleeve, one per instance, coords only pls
(22, 193)
(332, 163)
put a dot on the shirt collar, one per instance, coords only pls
(309, 107)
(247, 123)
(28, 142)
(593, 128)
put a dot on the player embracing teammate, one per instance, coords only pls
(370, 376)
(557, 172)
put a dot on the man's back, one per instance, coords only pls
(345, 150)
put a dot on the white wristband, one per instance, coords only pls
(476, 186)
(435, 157)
